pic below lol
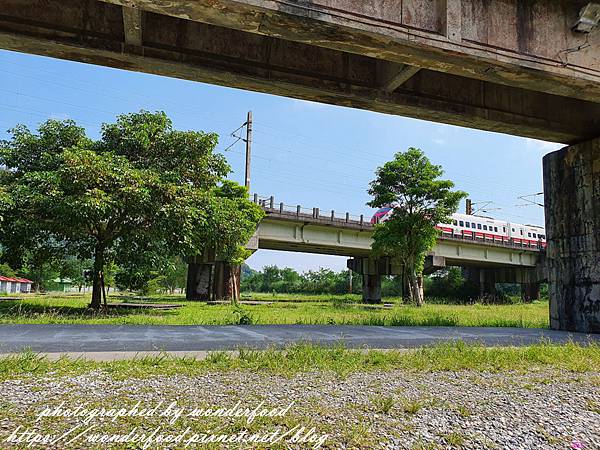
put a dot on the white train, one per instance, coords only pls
(484, 228)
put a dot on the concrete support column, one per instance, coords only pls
(487, 280)
(530, 292)
(198, 285)
(371, 291)
(572, 203)
(226, 283)
(484, 278)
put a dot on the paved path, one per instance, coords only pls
(131, 338)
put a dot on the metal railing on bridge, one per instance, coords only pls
(299, 212)
(269, 204)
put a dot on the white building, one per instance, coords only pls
(14, 285)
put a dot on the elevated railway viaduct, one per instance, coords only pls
(523, 67)
(295, 229)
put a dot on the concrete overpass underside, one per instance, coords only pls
(524, 67)
(508, 66)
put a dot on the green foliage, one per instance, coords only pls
(140, 195)
(242, 316)
(450, 283)
(7, 271)
(286, 280)
(420, 200)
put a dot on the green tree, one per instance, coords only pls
(7, 271)
(410, 184)
(175, 273)
(142, 193)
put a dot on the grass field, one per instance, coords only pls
(279, 309)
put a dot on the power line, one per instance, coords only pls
(362, 151)
(95, 90)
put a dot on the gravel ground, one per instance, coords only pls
(387, 410)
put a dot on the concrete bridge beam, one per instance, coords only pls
(572, 203)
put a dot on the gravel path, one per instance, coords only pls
(387, 410)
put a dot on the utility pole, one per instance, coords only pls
(248, 148)
(469, 207)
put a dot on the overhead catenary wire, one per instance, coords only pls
(259, 124)
(358, 172)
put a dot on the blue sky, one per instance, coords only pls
(304, 153)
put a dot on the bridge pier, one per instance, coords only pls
(199, 280)
(484, 278)
(226, 282)
(572, 204)
(371, 270)
(530, 292)
(209, 279)
(371, 289)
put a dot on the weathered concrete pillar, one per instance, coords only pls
(530, 292)
(484, 278)
(371, 291)
(487, 280)
(572, 203)
(226, 283)
(198, 284)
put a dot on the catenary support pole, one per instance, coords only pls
(248, 149)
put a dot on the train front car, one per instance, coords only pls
(381, 215)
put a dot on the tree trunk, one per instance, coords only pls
(233, 284)
(97, 277)
(416, 287)
(103, 289)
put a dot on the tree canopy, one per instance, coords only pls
(139, 195)
(410, 184)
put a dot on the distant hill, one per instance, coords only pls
(247, 271)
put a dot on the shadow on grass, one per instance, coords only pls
(16, 309)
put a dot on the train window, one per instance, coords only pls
(521, 230)
(503, 229)
(496, 229)
(479, 226)
(485, 227)
(534, 235)
(462, 224)
(513, 230)
(455, 222)
(467, 225)
(528, 234)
